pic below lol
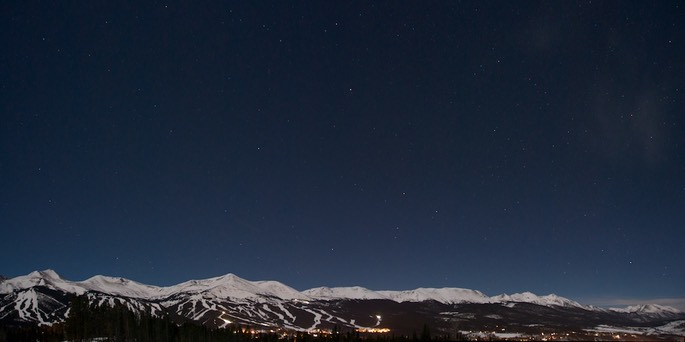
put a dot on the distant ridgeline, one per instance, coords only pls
(228, 308)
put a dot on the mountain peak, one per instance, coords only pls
(47, 273)
(230, 276)
(120, 286)
(47, 278)
(232, 286)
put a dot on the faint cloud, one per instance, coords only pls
(542, 34)
(629, 123)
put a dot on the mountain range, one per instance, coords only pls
(42, 298)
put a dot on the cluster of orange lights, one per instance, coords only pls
(373, 330)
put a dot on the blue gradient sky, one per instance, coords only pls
(503, 147)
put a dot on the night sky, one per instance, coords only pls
(502, 147)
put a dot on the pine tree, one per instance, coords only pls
(425, 333)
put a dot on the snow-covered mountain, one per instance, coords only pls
(42, 297)
(647, 308)
(337, 293)
(448, 295)
(234, 287)
(226, 286)
(548, 300)
(119, 287)
(47, 278)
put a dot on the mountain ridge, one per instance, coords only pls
(43, 298)
(232, 286)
